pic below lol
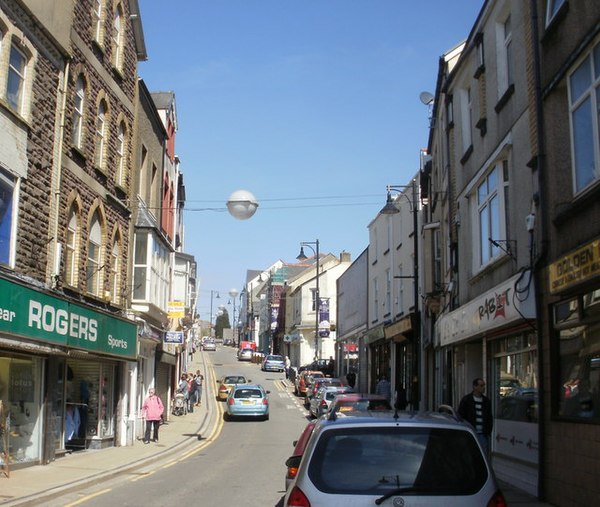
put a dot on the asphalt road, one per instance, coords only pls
(243, 466)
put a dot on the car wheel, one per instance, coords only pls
(226, 416)
(266, 418)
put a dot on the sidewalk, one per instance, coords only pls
(37, 484)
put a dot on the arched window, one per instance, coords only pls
(115, 269)
(118, 32)
(97, 18)
(100, 135)
(15, 85)
(79, 103)
(94, 261)
(71, 247)
(121, 165)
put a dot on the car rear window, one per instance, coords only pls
(375, 460)
(235, 380)
(275, 358)
(247, 393)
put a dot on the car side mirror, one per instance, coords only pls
(218, 381)
(295, 443)
(248, 380)
(293, 461)
(268, 392)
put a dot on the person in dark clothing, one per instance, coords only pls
(476, 408)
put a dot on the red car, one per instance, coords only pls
(333, 382)
(347, 404)
(303, 381)
(299, 446)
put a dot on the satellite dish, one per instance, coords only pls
(426, 98)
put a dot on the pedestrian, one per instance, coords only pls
(192, 391)
(351, 379)
(152, 411)
(476, 408)
(199, 383)
(288, 365)
(384, 388)
(331, 366)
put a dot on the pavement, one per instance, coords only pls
(37, 485)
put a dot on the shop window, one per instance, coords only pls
(577, 325)
(20, 391)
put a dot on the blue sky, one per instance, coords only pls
(311, 105)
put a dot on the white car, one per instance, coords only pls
(245, 354)
(319, 404)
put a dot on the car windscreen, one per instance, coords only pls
(275, 358)
(247, 393)
(374, 460)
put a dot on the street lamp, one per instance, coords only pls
(233, 293)
(302, 257)
(390, 208)
(212, 292)
(242, 204)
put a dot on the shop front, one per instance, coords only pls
(401, 334)
(61, 366)
(494, 337)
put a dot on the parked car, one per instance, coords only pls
(299, 446)
(226, 382)
(304, 380)
(319, 405)
(353, 403)
(209, 345)
(428, 459)
(273, 363)
(247, 400)
(311, 393)
(245, 354)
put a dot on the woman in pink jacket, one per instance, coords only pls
(152, 410)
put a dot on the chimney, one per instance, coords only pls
(345, 257)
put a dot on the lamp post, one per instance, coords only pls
(212, 292)
(302, 257)
(390, 208)
(233, 293)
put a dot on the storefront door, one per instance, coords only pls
(54, 402)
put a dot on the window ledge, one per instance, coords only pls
(505, 98)
(467, 155)
(556, 20)
(579, 204)
(482, 126)
(479, 72)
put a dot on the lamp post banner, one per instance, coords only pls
(324, 325)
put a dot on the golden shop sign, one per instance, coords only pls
(575, 267)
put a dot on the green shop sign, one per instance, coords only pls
(32, 314)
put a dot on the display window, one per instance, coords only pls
(89, 410)
(20, 392)
(577, 333)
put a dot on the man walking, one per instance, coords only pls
(476, 408)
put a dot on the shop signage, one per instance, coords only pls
(174, 337)
(31, 314)
(506, 303)
(399, 328)
(575, 267)
(176, 309)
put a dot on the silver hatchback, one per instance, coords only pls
(393, 459)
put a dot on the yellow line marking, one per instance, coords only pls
(88, 497)
(146, 474)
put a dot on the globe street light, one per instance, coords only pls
(242, 204)
(302, 257)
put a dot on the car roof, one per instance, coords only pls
(398, 418)
(237, 387)
(360, 396)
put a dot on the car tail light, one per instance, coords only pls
(323, 403)
(265, 401)
(297, 498)
(497, 500)
(231, 401)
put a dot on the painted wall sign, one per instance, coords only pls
(575, 267)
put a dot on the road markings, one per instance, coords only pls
(88, 497)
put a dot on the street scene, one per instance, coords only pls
(300, 254)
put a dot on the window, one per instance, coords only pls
(71, 245)
(400, 297)
(313, 298)
(577, 325)
(100, 135)
(97, 18)
(115, 269)
(584, 103)
(121, 159)
(375, 300)
(466, 118)
(140, 266)
(488, 209)
(7, 195)
(504, 45)
(16, 79)
(94, 265)
(388, 291)
(437, 259)
(79, 103)
(118, 38)
(552, 9)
